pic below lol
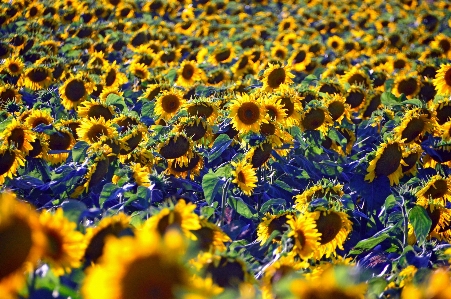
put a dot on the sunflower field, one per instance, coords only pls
(225, 149)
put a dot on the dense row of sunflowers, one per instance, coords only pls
(225, 149)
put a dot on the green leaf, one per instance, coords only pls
(211, 184)
(272, 202)
(389, 99)
(415, 102)
(73, 209)
(79, 151)
(221, 143)
(241, 207)
(106, 193)
(115, 100)
(147, 109)
(171, 75)
(421, 223)
(376, 286)
(5, 123)
(390, 202)
(368, 244)
(389, 84)
(136, 219)
(207, 211)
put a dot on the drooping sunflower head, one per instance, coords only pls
(408, 84)
(169, 103)
(61, 140)
(356, 76)
(387, 162)
(210, 237)
(259, 154)
(36, 78)
(244, 176)
(75, 90)
(113, 77)
(93, 130)
(112, 226)
(10, 160)
(192, 168)
(97, 170)
(414, 125)
(95, 109)
(315, 118)
(277, 77)
(227, 271)
(9, 94)
(140, 175)
(436, 190)
(324, 189)
(329, 86)
(246, 113)
(202, 107)
(338, 107)
(442, 81)
(334, 227)
(180, 216)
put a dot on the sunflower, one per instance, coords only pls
(338, 107)
(61, 140)
(18, 135)
(275, 111)
(442, 110)
(112, 226)
(334, 227)
(442, 81)
(95, 109)
(372, 103)
(13, 66)
(65, 246)
(300, 58)
(176, 146)
(106, 91)
(356, 76)
(139, 70)
(22, 243)
(93, 130)
(327, 285)
(244, 66)
(279, 52)
(278, 270)
(277, 77)
(9, 93)
(413, 126)
(210, 238)
(304, 235)
(10, 160)
(222, 54)
(387, 162)
(217, 77)
(246, 113)
(36, 78)
(444, 43)
(169, 103)
(37, 117)
(226, 271)
(202, 107)
(152, 91)
(315, 118)
(132, 136)
(291, 103)
(408, 84)
(168, 56)
(97, 60)
(180, 216)
(75, 90)
(244, 176)
(324, 189)
(113, 77)
(189, 73)
(437, 190)
(270, 224)
(336, 43)
(143, 266)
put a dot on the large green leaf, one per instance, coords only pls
(368, 244)
(211, 184)
(219, 146)
(115, 100)
(241, 207)
(421, 223)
